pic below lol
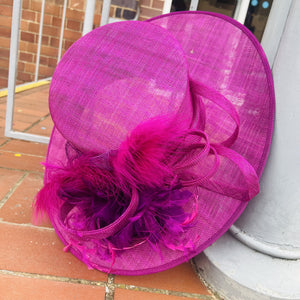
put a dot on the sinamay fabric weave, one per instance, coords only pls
(162, 129)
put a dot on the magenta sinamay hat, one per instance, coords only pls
(162, 129)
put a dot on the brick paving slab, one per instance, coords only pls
(15, 287)
(123, 294)
(43, 127)
(18, 146)
(8, 179)
(18, 208)
(181, 278)
(38, 250)
(20, 161)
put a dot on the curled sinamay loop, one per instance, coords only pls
(248, 173)
(154, 213)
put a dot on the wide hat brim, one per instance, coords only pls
(225, 56)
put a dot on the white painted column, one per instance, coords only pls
(260, 257)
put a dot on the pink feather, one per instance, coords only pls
(143, 159)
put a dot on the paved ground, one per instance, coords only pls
(32, 263)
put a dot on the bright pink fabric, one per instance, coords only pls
(204, 71)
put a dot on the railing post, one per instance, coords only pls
(241, 10)
(13, 64)
(105, 12)
(37, 65)
(89, 16)
(62, 28)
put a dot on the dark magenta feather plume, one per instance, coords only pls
(95, 190)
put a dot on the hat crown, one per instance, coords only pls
(114, 78)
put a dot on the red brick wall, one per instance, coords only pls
(31, 12)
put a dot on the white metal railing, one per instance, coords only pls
(13, 59)
(13, 63)
(270, 42)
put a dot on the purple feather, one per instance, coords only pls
(92, 191)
